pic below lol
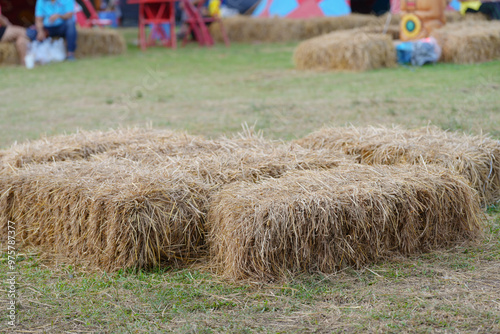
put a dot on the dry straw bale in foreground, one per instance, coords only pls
(245, 157)
(349, 216)
(134, 198)
(111, 214)
(84, 144)
(99, 42)
(345, 50)
(469, 42)
(226, 160)
(253, 165)
(477, 158)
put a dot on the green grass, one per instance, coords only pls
(212, 92)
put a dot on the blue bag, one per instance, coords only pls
(404, 52)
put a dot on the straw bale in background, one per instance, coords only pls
(469, 42)
(99, 42)
(345, 50)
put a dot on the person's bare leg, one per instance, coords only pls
(18, 35)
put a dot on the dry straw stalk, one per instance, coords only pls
(477, 158)
(84, 144)
(352, 215)
(224, 160)
(248, 156)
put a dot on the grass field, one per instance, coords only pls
(213, 92)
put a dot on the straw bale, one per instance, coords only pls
(345, 50)
(253, 165)
(454, 16)
(222, 160)
(392, 30)
(324, 25)
(277, 29)
(469, 42)
(134, 198)
(111, 214)
(477, 158)
(226, 160)
(84, 144)
(99, 42)
(8, 54)
(395, 19)
(352, 215)
(91, 43)
(451, 16)
(246, 29)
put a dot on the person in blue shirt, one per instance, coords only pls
(54, 18)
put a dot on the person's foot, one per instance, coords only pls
(70, 57)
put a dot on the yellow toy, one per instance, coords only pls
(214, 8)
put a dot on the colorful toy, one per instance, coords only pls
(420, 17)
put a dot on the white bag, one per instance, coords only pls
(58, 50)
(41, 51)
(49, 51)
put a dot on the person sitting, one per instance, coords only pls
(54, 18)
(16, 34)
(489, 8)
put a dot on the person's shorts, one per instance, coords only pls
(2, 31)
(31, 33)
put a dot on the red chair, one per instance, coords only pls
(156, 13)
(197, 24)
(91, 21)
